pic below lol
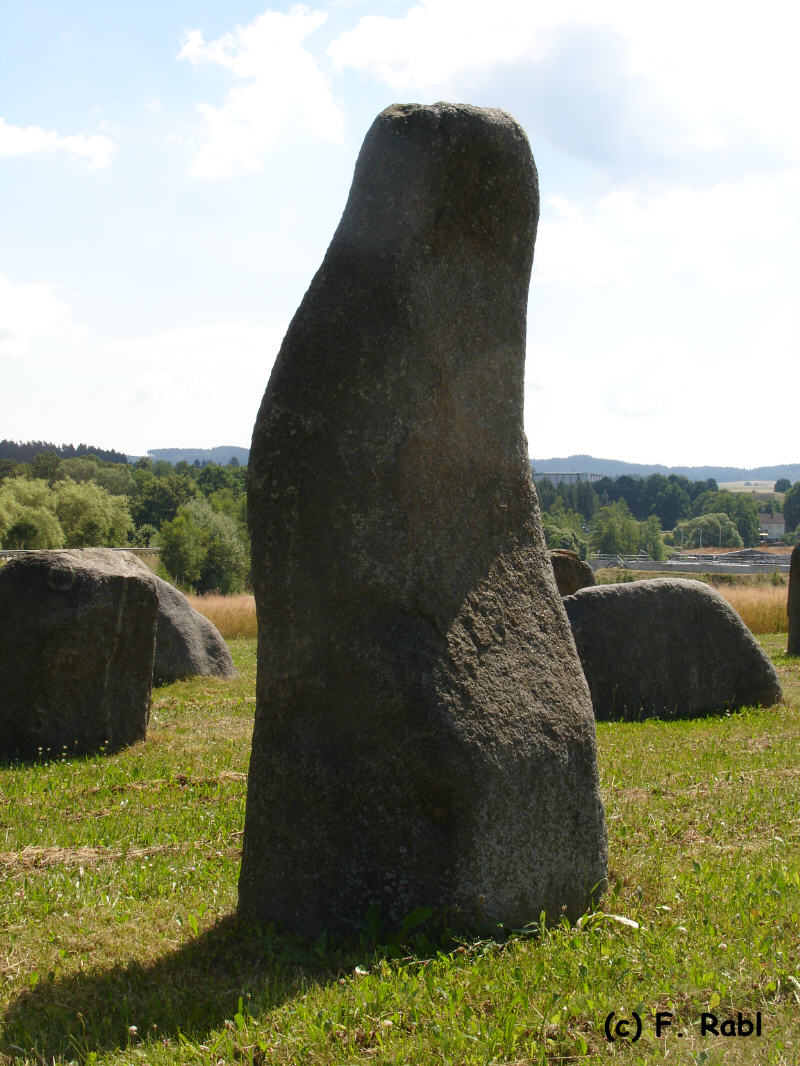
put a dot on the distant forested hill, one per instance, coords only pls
(221, 455)
(26, 451)
(617, 467)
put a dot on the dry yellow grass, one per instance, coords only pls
(234, 616)
(761, 607)
(759, 603)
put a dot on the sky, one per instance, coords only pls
(172, 171)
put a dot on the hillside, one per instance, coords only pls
(220, 455)
(617, 467)
(25, 451)
(612, 468)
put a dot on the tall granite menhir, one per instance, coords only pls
(424, 735)
(793, 603)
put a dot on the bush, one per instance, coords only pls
(27, 518)
(90, 516)
(559, 537)
(202, 549)
(711, 530)
(614, 530)
(791, 506)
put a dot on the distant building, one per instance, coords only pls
(773, 525)
(564, 477)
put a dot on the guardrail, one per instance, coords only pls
(10, 553)
(697, 564)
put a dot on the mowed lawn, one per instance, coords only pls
(119, 944)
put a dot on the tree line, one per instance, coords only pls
(26, 451)
(627, 515)
(196, 514)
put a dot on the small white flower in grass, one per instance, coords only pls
(588, 920)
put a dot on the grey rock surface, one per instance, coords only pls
(77, 641)
(667, 648)
(187, 643)
(571, 572)
(793, 603)
(424, 735)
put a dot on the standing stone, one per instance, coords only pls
(571, 572)
(77, 639)
(667, 648)
(793, 603)
(187, 643)
(424, 735)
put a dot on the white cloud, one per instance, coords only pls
(28, 313)
(212, 350)
(615, 81)
(189, 386)
(200, 384)
(736, 236)
(281, 87)
(25, 140)
(575, 247)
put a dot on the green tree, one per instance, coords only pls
(558, 537)
(791, 507)
(783, 484)
(203, 549)
(667, 498)
(144, 536)
(214, 478)
(738, 506)
(546, 494)
(651, 539)
(157, 499)
(116, 478)
(614, 530)
(183, 549)
(709, 530)
(44, 466)
(10, 468)
(90, 516)
(563, 528)
(699, 487)
(27, 518)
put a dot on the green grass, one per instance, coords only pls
(118, 941)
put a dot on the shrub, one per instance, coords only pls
(27, 518)
(791, 507)
(91, 516)
(203, 550)
(710, 530)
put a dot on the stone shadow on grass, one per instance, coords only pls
(191, 991)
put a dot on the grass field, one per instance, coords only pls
(759, 600)
(760, 603)
(234, 616)
(761, 488)
(119, 944)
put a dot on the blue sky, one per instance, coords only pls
(171, 174)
